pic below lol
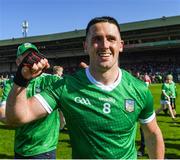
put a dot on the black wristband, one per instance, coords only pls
(19, 79)
(29, 60)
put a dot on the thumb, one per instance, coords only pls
(26, 73)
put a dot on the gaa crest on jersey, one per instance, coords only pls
(38, 89)
(129, 105)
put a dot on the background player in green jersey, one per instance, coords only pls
(37, 139)
(172, 95)
(167, 93)
(58, 71)
(7, 87)
(101, 104)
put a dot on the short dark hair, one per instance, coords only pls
(102, 19)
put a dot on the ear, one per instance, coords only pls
(18, 61)
(121, 46)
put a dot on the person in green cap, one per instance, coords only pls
(38, 139)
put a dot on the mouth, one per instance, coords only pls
(104, 54)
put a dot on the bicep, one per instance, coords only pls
(153, 139)
(36, 109)
(150, 128)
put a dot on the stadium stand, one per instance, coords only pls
(151, 46)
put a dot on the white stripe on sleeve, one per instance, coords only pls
(44, 103)
(144, 121)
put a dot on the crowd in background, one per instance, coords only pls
(156, 71)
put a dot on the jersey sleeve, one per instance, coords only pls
(50, 97)
(147, 114)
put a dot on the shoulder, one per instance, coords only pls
(80, 75)
(130, 79)
(46, 76)
(135, 85)
(173, 83)
(43, 75)
(165, 85)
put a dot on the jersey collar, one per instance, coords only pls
(102, 86)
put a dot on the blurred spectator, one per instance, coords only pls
(165, 96)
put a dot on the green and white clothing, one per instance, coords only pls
(39, 136)
(7, 87)
(101, 119)
(173, 91)
(166, 89)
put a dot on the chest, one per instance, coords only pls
(94, 109)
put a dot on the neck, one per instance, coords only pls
(106, 77)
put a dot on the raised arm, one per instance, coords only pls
(153, 140)
(19, 109)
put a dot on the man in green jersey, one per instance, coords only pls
(101, 104)
(39, 138)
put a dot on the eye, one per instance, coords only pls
(96, 39)
(111, 38)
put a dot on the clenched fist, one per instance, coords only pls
(31, 66)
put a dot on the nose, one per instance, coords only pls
(105, 43)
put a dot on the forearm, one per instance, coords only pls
(16, 109)
(155, 144)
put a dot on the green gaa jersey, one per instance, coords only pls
(173, 91)
(166, 89)
(101, 119)
(39, 136)
(7, 87)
